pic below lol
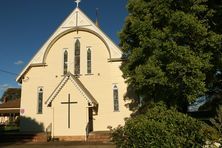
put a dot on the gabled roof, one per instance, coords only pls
(76, 83)
(12, 106)
(76, 20)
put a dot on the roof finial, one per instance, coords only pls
(77, 3)
(97, 17)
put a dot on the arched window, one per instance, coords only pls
(77, 57)
(89, 68)
(65, 62)
(40, 100)
(115, 98)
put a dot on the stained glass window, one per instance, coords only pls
(65, 64)
(89, 58)
(77, 57)
(116, 98)
(40, 100)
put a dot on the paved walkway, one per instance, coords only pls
(57, 145)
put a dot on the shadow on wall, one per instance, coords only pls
(31, 131)
(29, 125)
(132, 98)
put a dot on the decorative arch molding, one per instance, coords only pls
(70, 31)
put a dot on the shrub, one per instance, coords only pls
(162, 127)
(217, 120)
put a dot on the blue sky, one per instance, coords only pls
(26, 24)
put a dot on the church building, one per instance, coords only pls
(74, 85)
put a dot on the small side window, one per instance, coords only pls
(65, 62)
(40, 100)
(89, 61)
(115, 98)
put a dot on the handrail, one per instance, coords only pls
(49, 132)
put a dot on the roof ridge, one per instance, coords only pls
(80, 85)
(84, 88)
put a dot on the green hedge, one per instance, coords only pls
(9, 128)
(162, 127)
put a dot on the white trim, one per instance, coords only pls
(9, 108)
(89, 24)
(62, 84)
(81, 92)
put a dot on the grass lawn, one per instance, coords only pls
(9, 128)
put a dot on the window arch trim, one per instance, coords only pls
(75, 29)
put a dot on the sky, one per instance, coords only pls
(25, 25)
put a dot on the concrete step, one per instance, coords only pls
(99, 136)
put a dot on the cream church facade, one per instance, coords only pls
(73, 85)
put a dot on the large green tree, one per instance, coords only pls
(171, 49)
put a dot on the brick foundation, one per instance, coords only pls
(97, 136)
(70, 138)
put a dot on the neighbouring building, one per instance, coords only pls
(9, 111)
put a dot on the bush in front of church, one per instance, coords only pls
(163, 127)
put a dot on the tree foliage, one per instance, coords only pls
(216, 21)
(11, 94)
(162, 127)
(170, 48)
(217, 120)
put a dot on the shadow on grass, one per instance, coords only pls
(9, 128)
(11, 136)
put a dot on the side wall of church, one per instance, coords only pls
(31, 120)
(100, 82)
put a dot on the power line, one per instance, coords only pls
(8, 72)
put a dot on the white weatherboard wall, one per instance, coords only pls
(46, 70)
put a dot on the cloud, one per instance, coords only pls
(19, 62)
(4, 86)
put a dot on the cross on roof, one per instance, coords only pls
(77, 3)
